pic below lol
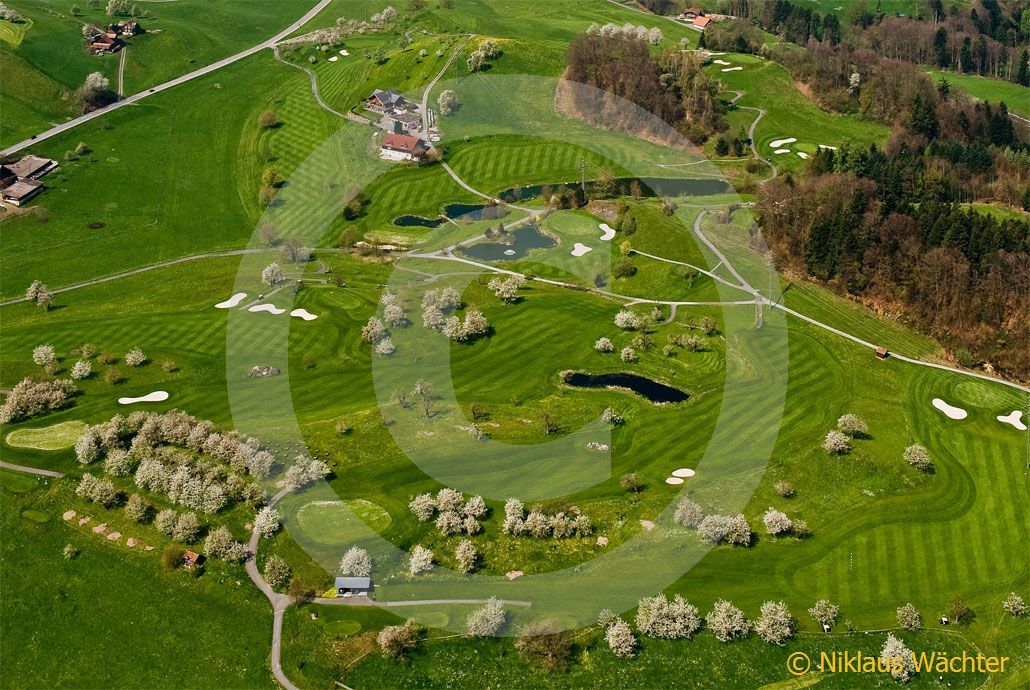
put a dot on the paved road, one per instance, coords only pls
(70, 124)
(31, 470)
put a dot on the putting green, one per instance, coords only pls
(35, 515)
(332, 522)
(54, 437)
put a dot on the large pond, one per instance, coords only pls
(522, 241)
(474, 211)
(652, 390)
(410, 221)
(646, 187)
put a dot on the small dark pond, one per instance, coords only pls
(648, 187)
(652, 390)
(474, 211)
(410, 221)
(522, 240)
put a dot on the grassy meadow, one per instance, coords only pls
(178, 175)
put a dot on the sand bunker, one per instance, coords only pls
(827, 146)
(732, 69)
(156, 396)
(673, 480)
(609, 234)
(333, 59)
(1015, 418)
(232, 301)
(782, 142)
(579, 249)
(782, 151)
(303, 314)
(950, 411)
(683, 472)
(270, 308)
(722, 62)
(344, 53)
(509, 252)
(803, 155)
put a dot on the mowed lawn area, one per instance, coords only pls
(789, 113)
(1015, 96)
(44, 60)
(111, 617)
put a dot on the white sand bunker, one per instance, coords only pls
(333, 59)
(509, 252)
(344, 53)
(803, 155)
(782, 142)
(579, 249)
(673, 480)
(732, 69)
(609, 233)
(950, 411)
(270, 308)
(156, 396)
(1015, 418)
(303, 314)
(232, 301)
(722, 62)
(683, 472)
(782, 151)
(827, 146)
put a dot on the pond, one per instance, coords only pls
(522, 241)
(648, 187)
(474, 211)
(652, 390)
(410, 221)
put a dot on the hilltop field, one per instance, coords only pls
(158, 236)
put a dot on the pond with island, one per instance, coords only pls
(517, 244)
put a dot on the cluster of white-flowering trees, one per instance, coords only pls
(304, 470)
(420, 560)
(182, 527)
(604, 345)
(376, 332)
(536, 523)
(220, 543)
(897, 659)
(150, 448)
(628, 30)
(30, 397)
(135, 357)
(81, 370)
(397, 640)
(918, 457)
(44, 356)
(668, 620)
(40, 295)
(838, 441)
(727, 622)
(272, 274)
(628, 321)
(385, 16)
(1014, 605)
(611, 416)
(486, 51)
(507, 289)
(776, 522)
(437, 314)
(356, 562)
(775, 625)
(733, 529)
(277, 572)
(447, 102)
(266, 521)
(909, 617)
(454, 515)
(488, 620)
(466, 556)
(100, 491)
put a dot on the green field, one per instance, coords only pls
(1016, 97)
(178, 176)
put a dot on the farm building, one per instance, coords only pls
(691, 13)
(348, 586)
(107, 42)
(19, 181)
(20, 192)
(702, 22)
(385, 101)
(191, 559)
(129, 27)
(402, 147)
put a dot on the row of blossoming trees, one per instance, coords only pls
(195, 466)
